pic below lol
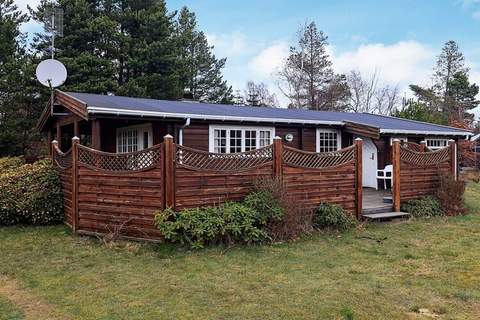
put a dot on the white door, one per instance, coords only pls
(369, 163)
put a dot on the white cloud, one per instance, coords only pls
(229, 44)
(401, 63)
(268, 61)
(476, 15)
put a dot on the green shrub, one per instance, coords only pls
(229, 223)
(333, 217)
(31, 194)
(423, 207)
(266, 204)
(10, 163)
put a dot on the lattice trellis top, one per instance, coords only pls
(314, 160)
(121, 162)
(424, 158)
(232, 162)
(63, 160)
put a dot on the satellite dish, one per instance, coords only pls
(51, 73)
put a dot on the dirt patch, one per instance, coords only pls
(32, 307)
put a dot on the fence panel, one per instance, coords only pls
(420, 171)
(205, 179)
(321, 177)
(63, 163)
(120, 193)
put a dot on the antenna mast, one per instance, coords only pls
(53, 21)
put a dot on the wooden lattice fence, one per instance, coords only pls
(417, 171)
(119, 193)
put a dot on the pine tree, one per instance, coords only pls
(307, 77)
(19, 99)
(449, 62)
(87, 48)
(200, 71)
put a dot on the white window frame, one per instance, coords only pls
(324, 130)
(211, 135)
(140, 130)
(404, 139)
(443, 140)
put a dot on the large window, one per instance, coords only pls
(328, 140)
(134, 138)
(437, 143)
(228, 139)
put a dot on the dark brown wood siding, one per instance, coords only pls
(295, 131)
(196, 136)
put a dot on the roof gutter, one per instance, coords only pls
(127, 112)
(420, 132)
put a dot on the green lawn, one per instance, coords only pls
(415, 265)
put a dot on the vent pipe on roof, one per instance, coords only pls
(180, 131)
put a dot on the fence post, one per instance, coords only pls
(358, 177)
(75, 141)
(277, 158)
(453, 158)
(396, 175)
(423, 146)
(169, 154)
(54, 148)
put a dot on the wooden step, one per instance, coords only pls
(380, 209)
(386, 215)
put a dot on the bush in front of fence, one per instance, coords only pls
(424, 207)
(30, 194)
(450, 194)
(228, 223)
(333, 217)
(266, 214)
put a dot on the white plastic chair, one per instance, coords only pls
(385, 174)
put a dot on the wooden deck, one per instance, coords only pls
(373, 199)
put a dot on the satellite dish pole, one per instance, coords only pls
(52, 73)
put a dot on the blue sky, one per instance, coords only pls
(399, 39)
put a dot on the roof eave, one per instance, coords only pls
(420, 132)
(126, 112)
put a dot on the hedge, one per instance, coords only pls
(10, 163)
(30, 194)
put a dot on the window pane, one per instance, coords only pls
(235, 141)
(327, 141)
(250, 140)
(220, 141)
(264, 138)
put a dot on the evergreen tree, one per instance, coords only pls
(19, 99)
(452, 93)
(200, 70)
(87, 48)
(419, 111)
(307, 77)
(449, 62)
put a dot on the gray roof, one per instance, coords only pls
(117, 105)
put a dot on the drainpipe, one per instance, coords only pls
(180, 131)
